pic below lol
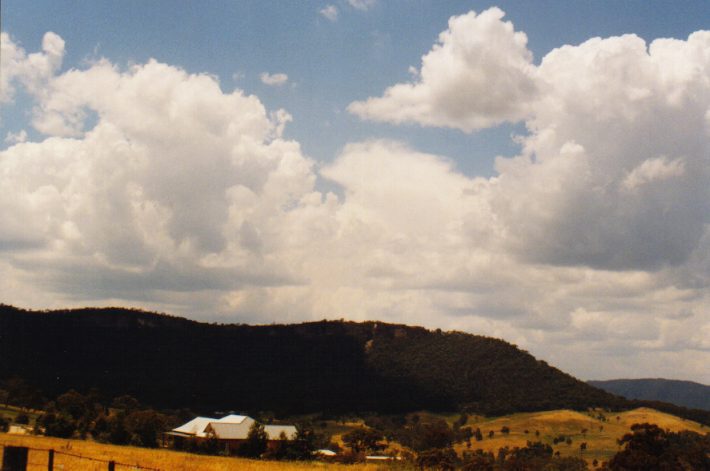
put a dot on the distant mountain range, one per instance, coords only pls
(682, 393)
(327, 366)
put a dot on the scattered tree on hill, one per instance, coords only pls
(443, 459)
(478, 461)
(505, 430)
(461, 420)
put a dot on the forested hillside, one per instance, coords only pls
(327, 366)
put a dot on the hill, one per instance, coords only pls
(682, 393)
(326, 366)
(599, 430)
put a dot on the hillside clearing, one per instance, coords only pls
(599, 430)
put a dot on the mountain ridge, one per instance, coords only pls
(323, 366)
(680, 392)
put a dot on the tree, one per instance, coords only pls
(363, 440)
(72, 403)
(56, 425)
(478, 461)
(443, 459)
(22, 419)
(20, 393)
(648, 447)
(256, 442)
(4, 424)
(144, 427)
(126, 403)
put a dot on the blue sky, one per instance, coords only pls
(329, 64)
(535, 171)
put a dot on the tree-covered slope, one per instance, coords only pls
(682, 393)
(330, 366)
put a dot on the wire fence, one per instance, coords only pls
(21, 458)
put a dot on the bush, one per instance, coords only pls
(4, 424)
(22, 419)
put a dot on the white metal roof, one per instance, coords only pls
(232, 419)
(273, 432)
(325, 452)
(195, 427)
(231, 431)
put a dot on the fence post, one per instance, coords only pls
(14, 458)
(111, 466)
(50, 461)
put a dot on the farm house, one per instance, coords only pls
(229, 432)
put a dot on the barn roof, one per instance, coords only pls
(195, 427)
(231, 431)
(273, 432)
(232, 419)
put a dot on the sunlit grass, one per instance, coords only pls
(601, 436)
(167, 460)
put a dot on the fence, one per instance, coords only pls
(19, 458)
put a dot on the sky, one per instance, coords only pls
(533, 171)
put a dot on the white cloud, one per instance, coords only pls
(330, 12)
(616, 116)
(653, 170)
(274, 80)
(479, 74)
(33, 70)
(171, 190)
(362, 5)
(16, 137)
(591, 244)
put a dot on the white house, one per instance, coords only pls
(230, 431)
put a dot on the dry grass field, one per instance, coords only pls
(165, 460)
(599, 430)
(600, 435)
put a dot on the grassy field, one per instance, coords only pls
(166, 460)
(599, 430)
(600, 434)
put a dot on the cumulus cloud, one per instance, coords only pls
(614, 173)
(33, 70)
(274, 80)
(591, 244)
(329, 12)
(178, 186)
(479, 74)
